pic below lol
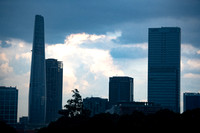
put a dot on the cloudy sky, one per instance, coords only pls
(95, 39)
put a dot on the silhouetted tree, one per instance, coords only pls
(6, 128)
(74, 106)
(191, 119)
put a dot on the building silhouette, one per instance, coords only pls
(23, 123)
(95, 105)
(54, 81)
(120, 89)
(191, 101)
(8, 105)
(127, 108)
(37, 88)
(164, 67)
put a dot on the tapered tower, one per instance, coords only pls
(37, 86)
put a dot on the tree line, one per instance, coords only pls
(76, 119)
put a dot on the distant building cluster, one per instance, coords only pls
(163, 76)
(46, 79)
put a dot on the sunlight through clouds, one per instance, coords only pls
(189, 49)
(80, 38)
(194, 64)
(78, 61)
(3, 57)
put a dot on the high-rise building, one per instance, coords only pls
(8, 105)
(120, 89)
(54, 80)
(191, 101)
(37, 88)
(164, 55)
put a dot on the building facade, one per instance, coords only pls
(191, 101)
(164, 56)
(120, 89)
(37, 88)
(54, 81)
(8, 105)
(95, 105)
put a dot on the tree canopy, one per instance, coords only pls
(74, 106)
(162, 121)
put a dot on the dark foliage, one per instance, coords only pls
(162, 121)
(6, 128)
(74, 106)
(75, 119)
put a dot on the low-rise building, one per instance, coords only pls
(95, 105)
(123, 108)
(191, 101)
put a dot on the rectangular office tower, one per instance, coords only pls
(8, 105)
(37, 86)
(191, 101)
(54, 81)
(164, 56)
(120, 89)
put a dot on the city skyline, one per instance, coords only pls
(95, 40)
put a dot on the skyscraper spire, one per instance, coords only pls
(37, 86)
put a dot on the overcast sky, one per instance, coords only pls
(95, 39)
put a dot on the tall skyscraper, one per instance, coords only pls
(164, 67)
(37, 86)
(120, 89)
(54, 80)
(191, 101)
(8, 105)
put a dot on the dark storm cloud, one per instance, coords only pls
(98, 17)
